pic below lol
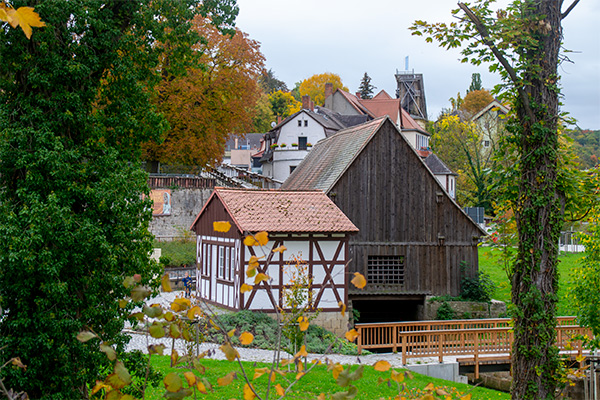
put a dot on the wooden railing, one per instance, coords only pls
(474, 338)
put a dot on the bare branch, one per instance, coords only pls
(571, 7)
(485, 37)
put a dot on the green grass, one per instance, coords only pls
(319, 380)
(177, 252)
(491, 263)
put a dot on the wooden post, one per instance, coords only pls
(476, 355)
(403, 341)
(440, 346)
(359, 340)
(395, 340)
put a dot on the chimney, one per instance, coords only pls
(306, 102)
(312, 105)
(235, 146)
(328, 89)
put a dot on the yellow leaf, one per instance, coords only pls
(227, 379)
(580, 358)
(99, 386)
(251, 271)
(279, 249)
(246, 338)
(180, 304)
(299, 375)
(302, 352)
(3, 15)
(337, 369)
(221, 226)
(260, 278)
(321, 396)
(231, 333)
(382, 366)
(303, 323)
(16, 361)
(123, 303)
(165, 283)
(230, 352)
(351, 335)
(279, 389)
(343, 306)
(429, 387)
(248, 392)
(397, 376)
(258, 372)
(245, 288)
(84, 336)
(174, 357)
(200, 386)
(359, 280)
(466, 397)
(192, 312)
(249, 241)
(25, 17)
(442, 392)
(190, 378)
(253, 262)
(172, 382)
(262, 238)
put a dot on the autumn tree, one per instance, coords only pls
(315, 86)
(366, 89)
(284, 104)
(73, 219)
(522, 42)
(460, 144)
(212, 101)
(475, 101)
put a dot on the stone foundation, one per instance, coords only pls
(464, 309)
(332, 321)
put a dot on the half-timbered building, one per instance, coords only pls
(311, 227)
(413, 237)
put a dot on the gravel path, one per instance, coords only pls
(142, 341)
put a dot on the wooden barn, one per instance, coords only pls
(307, 223)
(413, 237)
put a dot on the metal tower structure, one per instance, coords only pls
(411, 92)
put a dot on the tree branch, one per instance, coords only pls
(485, 36)
(571, 7)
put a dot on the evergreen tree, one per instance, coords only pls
(73, 218)
(475, 83)
(366, 89)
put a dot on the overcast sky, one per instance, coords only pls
(300, 38)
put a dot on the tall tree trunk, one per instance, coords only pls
(538, 212)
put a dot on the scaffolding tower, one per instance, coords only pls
(411, 92)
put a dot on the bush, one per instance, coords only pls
(445, 312)
(264, 328)
(477, 288)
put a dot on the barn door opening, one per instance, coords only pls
(388, 310)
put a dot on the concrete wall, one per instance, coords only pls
(185, 206)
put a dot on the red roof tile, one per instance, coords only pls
(284, 211)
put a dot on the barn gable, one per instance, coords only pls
(413, 237)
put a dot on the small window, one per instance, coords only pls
(299, 123)
(387, 270)
(306, 123)
(292, 168)
(222, 261)
(302, 142)
(486, 143)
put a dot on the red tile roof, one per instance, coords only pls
(283, 211)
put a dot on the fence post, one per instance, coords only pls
(476, 343)
(440, 346)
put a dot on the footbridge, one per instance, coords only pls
(470, 342)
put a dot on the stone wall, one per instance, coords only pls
(334, 322)
(185, 206)
(464, 309)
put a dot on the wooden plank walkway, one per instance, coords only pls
(481, 340)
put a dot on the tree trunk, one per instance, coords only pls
(538, 210)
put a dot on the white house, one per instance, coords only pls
(307, 223)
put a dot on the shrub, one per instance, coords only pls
(444, 312)
(477, 288)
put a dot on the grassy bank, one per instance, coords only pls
(491, 263)
(311, 385)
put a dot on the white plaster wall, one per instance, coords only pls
(291, 131)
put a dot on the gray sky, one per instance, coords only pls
(300, 38)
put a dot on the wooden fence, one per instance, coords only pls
(484, 339)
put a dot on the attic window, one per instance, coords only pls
(306, 123)
(299, 123)
(385, 270)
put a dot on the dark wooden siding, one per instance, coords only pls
(215, 211)
(401, 209)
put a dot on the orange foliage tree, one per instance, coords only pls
(475, 101)
(213, 101)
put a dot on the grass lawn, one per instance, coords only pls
(491, 263)
(311, 385)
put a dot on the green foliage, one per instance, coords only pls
(475, 288)
(177, 253)
(366, 89)
(73, 217)
(265, 331)
(445, 312)
(475, 82)
(283, 104)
